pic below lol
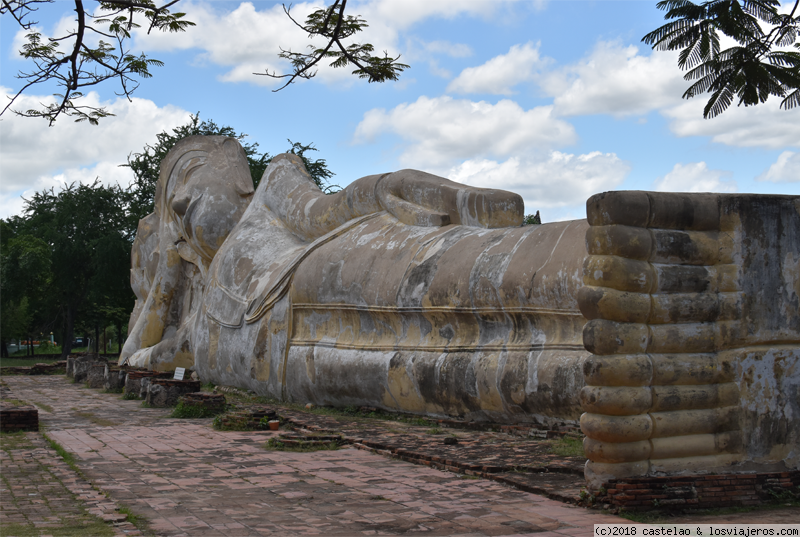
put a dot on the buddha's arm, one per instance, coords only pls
(414, 197)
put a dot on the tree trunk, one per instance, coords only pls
(69, 327)
(119, 336)
(105, 341)
(96, 339)
(3, 349)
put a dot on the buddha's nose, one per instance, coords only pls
(181, 203)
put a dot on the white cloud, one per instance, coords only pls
(500, 74)
(557, 181)
(443, 129)
(261, 34)
(401, 14)
(695, 177)
(35, 156)
(454, 50)
(785, 170)
(765, 125)
(418, 51)
(616, 80)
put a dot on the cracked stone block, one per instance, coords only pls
(165, 392)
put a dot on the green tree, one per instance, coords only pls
(86, 228)
(752, 70)
(25, 277)
(317, 169)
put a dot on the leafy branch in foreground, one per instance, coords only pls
(751, 71)
(332, 24)
(83, 65)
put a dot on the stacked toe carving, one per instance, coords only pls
(663, 298)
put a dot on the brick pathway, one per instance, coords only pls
(187, 479)
(39, 491)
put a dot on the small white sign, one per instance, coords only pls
(179, 371)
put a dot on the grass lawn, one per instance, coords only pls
(17, 361)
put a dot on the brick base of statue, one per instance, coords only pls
(701, 492)
(166, 392)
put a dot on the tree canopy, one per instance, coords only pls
(753, 70)
(67, 247)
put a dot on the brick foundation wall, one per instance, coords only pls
(20, 418)
(699, 492)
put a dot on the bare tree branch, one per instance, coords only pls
(375, 69)
(87, 66)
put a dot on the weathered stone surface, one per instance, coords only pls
(166, 392)
(137, 380)
(670, 319)
(114, 378)
(96, 375)
(213, 402)
(363, 297)
(80, 366)
(693, 304)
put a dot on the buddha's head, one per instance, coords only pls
(205, 187)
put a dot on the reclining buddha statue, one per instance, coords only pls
(657, 323)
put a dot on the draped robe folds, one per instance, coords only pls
(356, 307)
(670, 320)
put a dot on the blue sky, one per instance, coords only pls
(555, 100)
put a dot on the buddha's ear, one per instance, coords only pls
(236, 160)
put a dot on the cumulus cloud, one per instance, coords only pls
(454, 50)
(260, 34)
(401, 14)
(695, 177)
(556, 181)
(35, 156)
(618, 80)
(615, 79)
(444, 129)
(499, 75)
(765, 125)
(419, 51)
(785, 170)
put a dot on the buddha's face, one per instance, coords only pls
(208, 198)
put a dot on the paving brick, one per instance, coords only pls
(185, 478)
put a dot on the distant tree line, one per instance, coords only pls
(65, 261)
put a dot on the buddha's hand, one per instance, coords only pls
(422, 199)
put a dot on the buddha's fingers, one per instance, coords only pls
(464, 205)
(413, 214)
